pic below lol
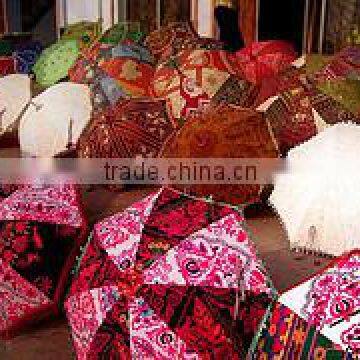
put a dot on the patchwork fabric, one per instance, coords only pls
(291, 118)
(236, 91)
(84, 32)
(40, 232)
(121, 32)
(133, 76)
(7, 65)
(265, 59)
(130, 129)
(345, 64)
(26, 56)
(332, 111)
(223, 132)
(189, 81)
(286, 80)
(317, 319)
(170, 40)
(160, 280)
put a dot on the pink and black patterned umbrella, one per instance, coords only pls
(41, 230)
(171, 277)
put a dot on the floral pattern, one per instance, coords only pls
(41, 229)
(166, 271)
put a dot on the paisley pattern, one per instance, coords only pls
(41, 230)
(138, 293)
(130, 129)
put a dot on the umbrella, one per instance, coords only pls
(265, 59)
(55, 61)
(224, 132)
(345, 64)
(41, 230)
(15, 94)
(120, 32)
(113, 72)
(129, 129)
(317, 196)
(26, 56)
(84, 32)
(316, 319)
(169, 40)
(133, 76)
(161, 280)
(190, 80)
(55, 119)
(291, 118)
(7, 65)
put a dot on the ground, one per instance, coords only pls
(51, 340)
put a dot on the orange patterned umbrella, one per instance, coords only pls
(224, 132)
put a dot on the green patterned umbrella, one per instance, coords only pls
(55, 61)
(122, 31)
(85, 32)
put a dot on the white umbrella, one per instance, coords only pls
(318, 196)
(15, 94)
(55, 118)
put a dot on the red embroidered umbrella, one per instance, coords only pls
(129, 129)
(41, 231)
(266, 58)
(171, 277)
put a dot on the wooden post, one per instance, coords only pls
(248, 19)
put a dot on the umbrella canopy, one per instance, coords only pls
(15, 94)
(190, 80)
(317, 196)
(133, 76)
(41, 230)
(224, 132)
(129, 129)
(55, 119)
(345, 64)
(55, 61)
(265, 59)
(169, 40)
(318, 318)
(161, 280)
(120, 32)
(26, 56)
(84, 32)
(7, 65)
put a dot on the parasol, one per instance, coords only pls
(318, 318)
(55, 61)
(317, 196)
(26, 56)
(121, 32)
(15, 94)
(191, 79)
(55, 119)
(129, 129)
(7, 65)
(84, 32)
(264, 59)
(41, 230)
(161, 280)
(224, 132)
(345, 64)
